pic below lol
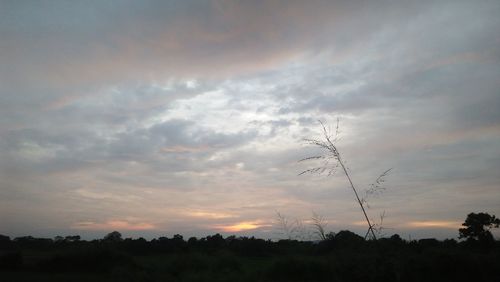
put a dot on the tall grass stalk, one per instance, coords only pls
(332, 153)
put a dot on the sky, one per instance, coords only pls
(161, 117)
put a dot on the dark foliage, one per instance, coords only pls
(114, 236)
(94, 260)
(11, 260)
(344, 256)
(477, 227)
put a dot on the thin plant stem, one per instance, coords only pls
(370, 227)
(329, 146)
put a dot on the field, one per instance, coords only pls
(345, 257)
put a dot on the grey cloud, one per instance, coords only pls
(79, 44)
(182, 132)
(61, 151)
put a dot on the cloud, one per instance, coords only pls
(183, 149)
(210, 215)
(113, 225)
(84, 44)
(435, 224)
(241, 226)
(100, 195)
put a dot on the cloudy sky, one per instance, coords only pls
(162, 117)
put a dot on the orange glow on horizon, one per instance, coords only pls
(210, 215)
(241, 226)
(435, 224)
(113, 224)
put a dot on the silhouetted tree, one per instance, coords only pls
(478, 225)
(178, 238)
(4, 238)
(74, 238)
(4, 241)
(348, 237)
(192, 241)
(114, 236)
(396, 238)
(215, 241)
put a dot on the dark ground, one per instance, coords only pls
(343, 257)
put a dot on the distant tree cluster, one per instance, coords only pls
(341, 256)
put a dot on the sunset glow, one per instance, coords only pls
(435, 224)
(241, 226)
(113, 225)
(210, 215)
